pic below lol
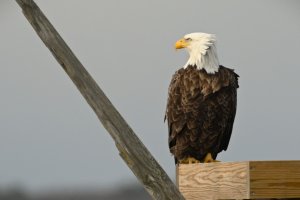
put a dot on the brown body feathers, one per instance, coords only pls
(200, 112)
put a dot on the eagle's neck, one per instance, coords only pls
(204, 59)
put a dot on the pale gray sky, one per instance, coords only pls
(49, 137)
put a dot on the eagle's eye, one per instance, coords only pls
(188, 39)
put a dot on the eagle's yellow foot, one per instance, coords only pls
(208, 159)
(189, 160)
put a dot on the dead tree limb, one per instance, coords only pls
(131, 149)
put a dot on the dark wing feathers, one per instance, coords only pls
(231, 109)
(174, 115)
(200, 111)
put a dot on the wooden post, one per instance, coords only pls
(131, 149)
(240, 180)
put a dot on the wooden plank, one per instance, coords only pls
(132, 150)
(275, 179)
(228, 180)
(240, 180)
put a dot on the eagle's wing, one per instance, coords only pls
(220, 114)
(184, 107)
(175, 117)
(230, 110)
(218, 120)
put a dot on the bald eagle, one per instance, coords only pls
(201, 104)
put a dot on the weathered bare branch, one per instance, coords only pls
(131, 149)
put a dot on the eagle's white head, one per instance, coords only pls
(202, 50)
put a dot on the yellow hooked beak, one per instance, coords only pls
(182, 43)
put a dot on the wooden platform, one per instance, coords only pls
(239, 180)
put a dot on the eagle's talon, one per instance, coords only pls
(189, 160)
(209, 159)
